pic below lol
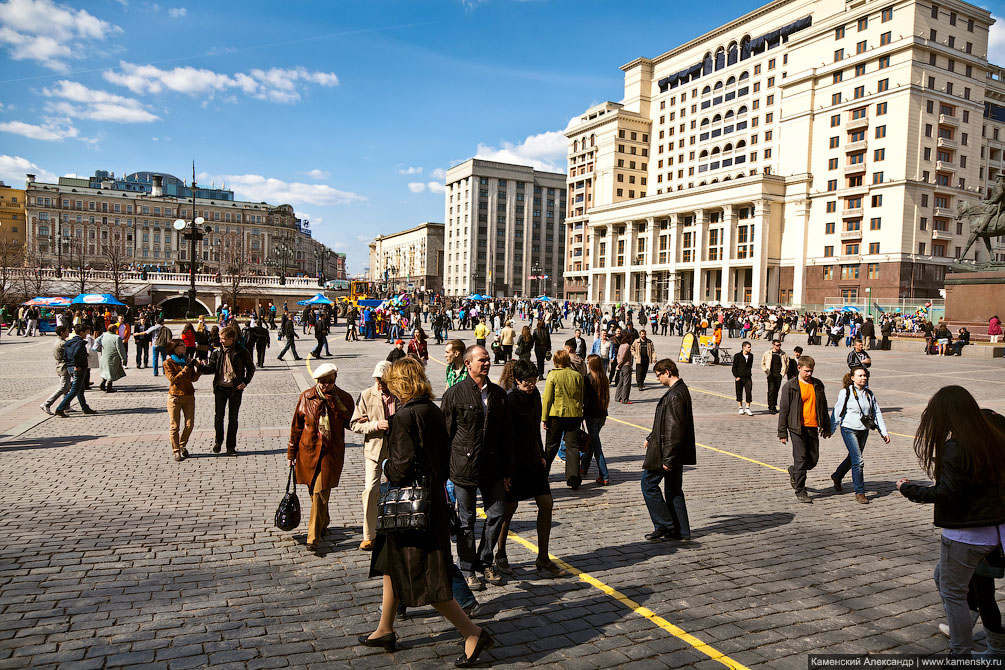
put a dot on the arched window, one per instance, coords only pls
(741, 144)
(593, 140)
(575, 146)
(745, 47)
(742, 110)
(715, 181)
(733, 54)
(718, 87)
(729, 115)
(706, 65)
(740, 176)
(726, 178)
(704, 122)
(703, 154)
(728, 147)
(717, 118)
(720, 58)
(731, 81)
(744, 75)
(715, 151)
(707, 90)
(702, 183)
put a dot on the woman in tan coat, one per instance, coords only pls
(317, 444)
(180, 372)
(374, 408)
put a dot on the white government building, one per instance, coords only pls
(809, 150)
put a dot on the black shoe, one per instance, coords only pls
(232, 452)
(792, 477)
(804, 497)
(385, 642)
(678, 537)
(773, 410)
(88, 410)
(216, 448)
(59, 413)
(837, 484)
(184, 453)
(485, 641)
(657, 536)
(574, 483)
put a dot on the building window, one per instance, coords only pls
(874, 247)
(832, 205)
(860, 69)
(829, 228)
(836, 99)
(873, 271)
(828, 270)
(835, 120)
(884, 39)
(851, 249)
(849, 271)
(839, 32)
(879, 154)
(863, 23)
(887, 14)
(838, 55)
(875, 223)
(882, 85)
(880, 132)
(832, 164)
(828, 251)
(881, 108)
(834, 142)
(832, 185)
(860, 47)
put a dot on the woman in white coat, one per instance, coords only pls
(112, 355)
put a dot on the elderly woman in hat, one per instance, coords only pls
(317, 444)
(371, 417)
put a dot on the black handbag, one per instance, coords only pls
(288, 513)
(404, 507)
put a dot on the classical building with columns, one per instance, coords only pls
(410, 258)
(809, 151)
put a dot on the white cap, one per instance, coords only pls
(324, 370)
(380, 369)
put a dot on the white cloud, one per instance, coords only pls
(416, 186)
(177, 12)
(436, 187)
(75, 100)
(49, 33)
(996, 41)
(14, 168)
(273, 85)
(317, 173)
(256, 188)
(438, 173)
(544, 151)
(315, 220)
(410, 170)
(53, 130)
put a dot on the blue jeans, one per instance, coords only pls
(474, 559)
(158, 354)
(77, 387)
(957, 561)
(593, 426)
(854, 442)
(668, 514)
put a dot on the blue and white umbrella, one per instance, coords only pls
(96, 299)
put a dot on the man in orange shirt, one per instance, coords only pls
(804, 419)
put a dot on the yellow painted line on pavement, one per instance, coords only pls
(635, 607)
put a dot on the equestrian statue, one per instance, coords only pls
(987, 219)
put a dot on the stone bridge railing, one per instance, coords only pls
(171, 278)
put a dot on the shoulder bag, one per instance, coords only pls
(404, 507)
(288, 513)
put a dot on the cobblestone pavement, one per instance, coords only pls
(116, 556)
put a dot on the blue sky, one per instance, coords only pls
(348, 110)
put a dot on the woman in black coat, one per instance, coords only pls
(415, 565)
(542, 346)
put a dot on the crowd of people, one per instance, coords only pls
(497, 442)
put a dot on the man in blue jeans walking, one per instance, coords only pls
(76, 366)
(669, 447)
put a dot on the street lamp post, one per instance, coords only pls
(194, 235)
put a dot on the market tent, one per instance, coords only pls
(543, 298)
(851, 308)
(96, 299)
(318, 299)
(47, 302)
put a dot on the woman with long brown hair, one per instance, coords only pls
(525, 344)
(542, 345)
(416, 564)
(598, 397)
(964, 453)
(417, 346)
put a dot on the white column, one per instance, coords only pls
(701, 235)
(802, 222)
(609, 263)
(650, 258)
(631, 228)
(729, 223)
(672, 256)
(760, 238)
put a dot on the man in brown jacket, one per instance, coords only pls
(374, 408)
(317, 444)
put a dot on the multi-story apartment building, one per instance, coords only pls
(504, 230)
(101, 222)
(808, 150)
(410, 257)
(12, 221)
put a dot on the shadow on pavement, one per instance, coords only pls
(45, 442)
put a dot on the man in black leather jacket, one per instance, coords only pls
(669, 447)
(232, 368)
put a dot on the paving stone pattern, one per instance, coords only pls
(116, 556)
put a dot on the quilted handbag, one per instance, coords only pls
(404, 507)
(288, 514)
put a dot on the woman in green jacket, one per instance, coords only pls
(562, 413)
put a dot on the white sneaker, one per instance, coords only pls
(46, 409)
(748, 412)
(741, 412)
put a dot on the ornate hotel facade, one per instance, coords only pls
(809, 151)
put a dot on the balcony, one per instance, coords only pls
(946, 212)
(851, 235)
(852, 147)
(856, 124)
(941, 235)
(856, 258)
(944, 166)
(851, 213)
(947, 143)
(855, 168)
(949, 120)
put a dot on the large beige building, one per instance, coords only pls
(504, 230)
(12, 221)
(102, 225)
(809, 150)
(412, 258)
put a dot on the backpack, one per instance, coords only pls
(163, 337)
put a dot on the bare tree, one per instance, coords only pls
(33, 281)
(114, 253)
(235, 269)
(11, 269)
(74, 255)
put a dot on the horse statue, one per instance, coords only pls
(987, 219)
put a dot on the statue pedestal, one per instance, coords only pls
(974, 297)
